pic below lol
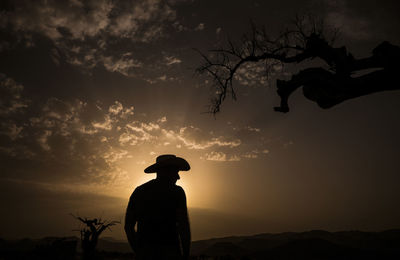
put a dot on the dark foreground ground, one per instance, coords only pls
(315, 244)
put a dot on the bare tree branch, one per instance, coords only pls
(307, 38)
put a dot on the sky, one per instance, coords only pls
(93, 91)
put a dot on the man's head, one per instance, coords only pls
(168, 174)
(167, 167)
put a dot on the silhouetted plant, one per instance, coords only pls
(91, 232)
(307, 38)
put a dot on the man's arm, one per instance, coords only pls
(184, 226)
(130, 222)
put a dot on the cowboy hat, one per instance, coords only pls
(167, 160)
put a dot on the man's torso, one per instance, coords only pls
(156, 205)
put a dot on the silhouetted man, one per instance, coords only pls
(159, 209)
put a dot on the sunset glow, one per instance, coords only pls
(91, 92)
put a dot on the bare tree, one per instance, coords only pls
(91, 232)
(307, 38)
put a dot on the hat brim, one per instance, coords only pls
(180, 163)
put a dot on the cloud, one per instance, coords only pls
(14, 131)
(200, 27)
(253, 74)
(77, 137)
(90, 142)
(12, 107)
(287, 144)
(94, 32)
(179, 27)
(79, 20)
(56, 18)
(350, 25)
(253, 129)
(255, 153)
(104, 125)
(250, 155)
(170, 60)
(123, 65)
(224, 157)
(11, 100)
(162, 119)
(116, 108)
(220, 157)
(193, 138)
(43, 140)
(163, 77)
(114, 155)
(129, 22)
(138, 132)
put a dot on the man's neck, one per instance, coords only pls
(164, 181)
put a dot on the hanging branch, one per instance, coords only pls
(306, 39)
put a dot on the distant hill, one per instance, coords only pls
(316, 244)
(46, 248)
(113, 245)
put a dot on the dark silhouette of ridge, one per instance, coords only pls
(221, 248)
(310, 248)
(317, 244)
(46, 248)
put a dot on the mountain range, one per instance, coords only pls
(315, 244)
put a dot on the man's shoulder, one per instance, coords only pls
(145, 185)
(179, 188)
(179, 191)
(154, 185)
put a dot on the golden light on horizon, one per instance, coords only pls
(199, 187)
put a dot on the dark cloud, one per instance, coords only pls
(92, 33)
(11, 102)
